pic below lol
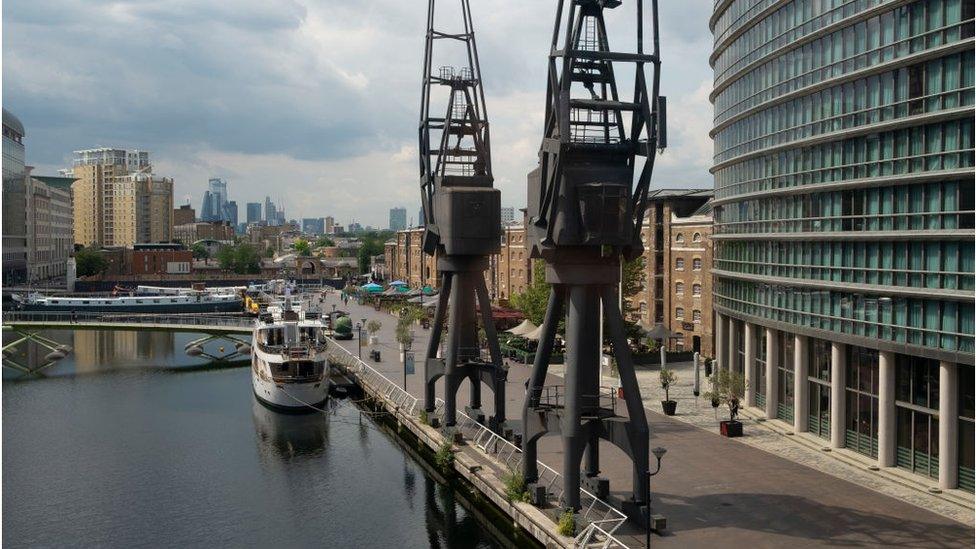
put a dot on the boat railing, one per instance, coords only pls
(294, 352)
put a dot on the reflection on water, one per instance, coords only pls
(289, 436)
(133, 454)
(106, 350)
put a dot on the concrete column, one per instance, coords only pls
(721, 345)
(750, 363)
(948, 425)
(887, 416)
(838, 375)
(801, 387)
(733, 336)
(772, 371)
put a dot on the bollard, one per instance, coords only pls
(697, 361)
(664, 361)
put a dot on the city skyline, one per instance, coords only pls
(218, 123)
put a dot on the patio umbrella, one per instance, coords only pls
(534, 335)
(427, 290)
(660, 332)
(525, 327)
(398, 283)
(372, 288)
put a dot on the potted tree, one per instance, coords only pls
(729, 388)
(668, 378)
(372, 328)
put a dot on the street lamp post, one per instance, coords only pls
(359, 330)
(406, 351)
(658, 453)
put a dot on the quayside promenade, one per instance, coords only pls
(717, 492)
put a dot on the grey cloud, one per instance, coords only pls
(325, 82)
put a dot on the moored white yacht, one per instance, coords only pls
(289, 366)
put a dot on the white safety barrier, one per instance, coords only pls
(598, 518)
(389, 391)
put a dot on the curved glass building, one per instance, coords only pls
(843, 222)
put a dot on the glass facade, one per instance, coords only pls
(917, 408)
(818, 381)
(785, 377)
(843, 165)
(967, 385)
(861, 389)
(759, 374)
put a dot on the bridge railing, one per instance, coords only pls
(188, 319)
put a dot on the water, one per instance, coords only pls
(125, 443)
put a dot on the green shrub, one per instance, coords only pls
(424, 418)
(444, 458)
(515, 488)
(567, 523)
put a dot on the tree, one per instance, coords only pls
(324, 242)
(199, 251)
(302, 247)
(632, 279)
(409, 315)
(89, 262)
(370, 244)
(668, 378)
(533, 301)
(729, 389)
(241, 259)
(269, 252)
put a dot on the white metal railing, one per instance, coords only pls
(600, 519)
(594, 536)
(381, 385)
(187, 319)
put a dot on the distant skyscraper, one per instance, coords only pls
(398, 219)
(270, 212)
(218, 200)
(313, 225)
(253, 212)
(230, 212)
(508, 214)
(329, 225)
(206, 209)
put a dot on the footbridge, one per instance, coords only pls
(208, 323)
(28, 325)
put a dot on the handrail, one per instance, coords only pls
(595, 511)
(389, 390)
(185, 319)
(601, 519)
(595, 536)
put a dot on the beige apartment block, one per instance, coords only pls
(116, 208)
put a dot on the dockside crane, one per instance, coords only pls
(462, 220)
(585, 214)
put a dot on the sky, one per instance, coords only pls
(315, 103)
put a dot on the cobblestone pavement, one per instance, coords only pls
(762, 490)
(805, 449)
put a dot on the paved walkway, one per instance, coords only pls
(719, 492)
